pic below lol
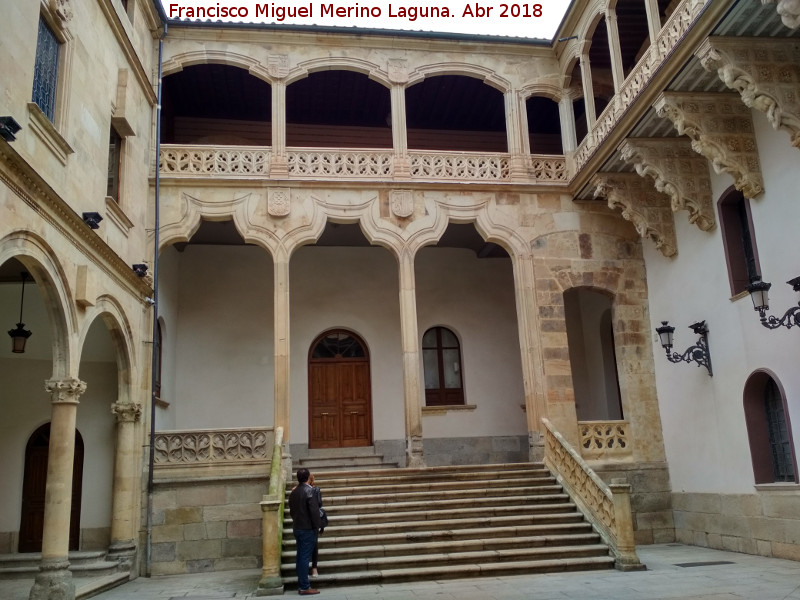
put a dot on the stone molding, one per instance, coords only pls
(766, 72)
(62, 8)
(65, 391)
(649, 210)
(677, 171)
(721, 129)
(126, 412)
(789, 10)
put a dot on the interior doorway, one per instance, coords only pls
(339, 398)
(31, 526)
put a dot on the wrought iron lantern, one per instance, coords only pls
(759, 294)
(698, 353)
(20, 335)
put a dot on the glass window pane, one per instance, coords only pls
(429, 339)
(430, 362)
(452, 369)
(449, 339)
(45, 70)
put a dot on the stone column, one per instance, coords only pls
(281, 352)
(588, 91)
(569, 137)
(123, 534)
(279, 166)
(402, 165)
(412, 379)
(617, 70)
(515, 134)
(530, 348)
(54, 580)
(653, 19)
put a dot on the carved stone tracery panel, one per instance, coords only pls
(766, 72)
(678, 171)
(721, 129)
(648, 209)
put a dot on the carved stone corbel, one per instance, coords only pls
(678, 171)
(721, 129)
(62, 8)
(789, 10)
(766, 72)
(649, 210)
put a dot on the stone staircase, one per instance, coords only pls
(83, 563)
(446, 522)
(343, 459)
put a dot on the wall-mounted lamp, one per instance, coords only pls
(8, 127)
(140, 269)
(92, 219)
(20, 335)
(698, 353)
(759, 293)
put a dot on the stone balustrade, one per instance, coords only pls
(605, 439)
(212, 450)
(214, 161)
(607, 507)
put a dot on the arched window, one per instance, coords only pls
(769, 430)
(441, 357)
(739, 240)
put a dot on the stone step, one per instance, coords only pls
(100, 584)
(82, 563)
(393, 488)
(463, 571)
(434, 497)
(457, 557)
(521, 471)
(475, 544)
(353, 462)
(374, 515)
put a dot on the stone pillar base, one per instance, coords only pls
(53, 582)
(124, 553)
(535, 446)
(415, 457)
(270, 586)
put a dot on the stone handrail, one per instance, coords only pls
(676, 26)
(607, 507)
(230, 161)
(212, 446)
(604, 439)
(272, 507)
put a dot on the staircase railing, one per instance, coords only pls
(272, 506)
(607, 506)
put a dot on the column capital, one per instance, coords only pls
(65, 391)
(126, 412)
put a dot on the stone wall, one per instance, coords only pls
(475, 450)
(651, 499)
(765, 523)
(207, 525)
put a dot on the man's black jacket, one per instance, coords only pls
(304, 508)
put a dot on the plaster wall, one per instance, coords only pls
(703, 417)
(223, 355)
(168, 316)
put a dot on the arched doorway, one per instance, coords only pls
(339, 398)
(33, 491)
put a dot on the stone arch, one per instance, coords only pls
(339, 63)
(178, 62)
(545, 90)
(110, 311)
(41, 261)
(488, 76)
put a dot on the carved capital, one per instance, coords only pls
(279, 201)
(649, 210)
(278, 65)
(402, 203)
(721, 129)
(789, 10)
(65, 391)
(678, 171)
(765, 72)
(398, 70)
(126, 412)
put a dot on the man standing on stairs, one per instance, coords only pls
(304, 509)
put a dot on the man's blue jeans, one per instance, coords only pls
(306, 540)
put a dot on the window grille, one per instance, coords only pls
(114, 164)
(45, 73)
(782, 463)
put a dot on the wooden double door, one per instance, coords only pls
(340, 404)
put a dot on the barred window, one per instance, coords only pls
(45, 74)
(114, 164)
